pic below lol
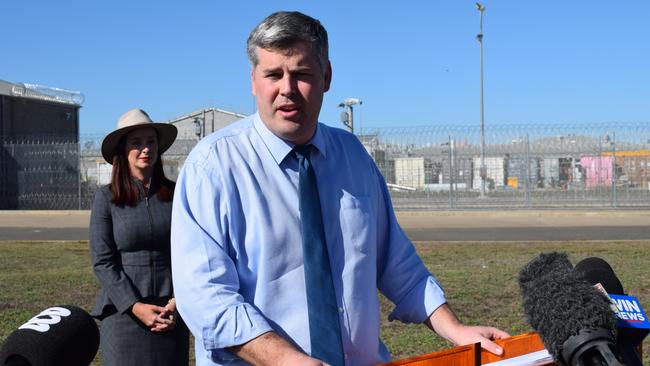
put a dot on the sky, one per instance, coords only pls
(412, 63)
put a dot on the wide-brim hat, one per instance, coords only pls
(133, 120)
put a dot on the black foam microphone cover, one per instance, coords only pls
(60, 335)
(597, 270)
(17, 361)
(566, 310)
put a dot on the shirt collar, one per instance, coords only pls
(278, 147)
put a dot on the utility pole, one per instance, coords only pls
(347, 115)
(483, 169)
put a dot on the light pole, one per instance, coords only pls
(483, 169)
(347, 117)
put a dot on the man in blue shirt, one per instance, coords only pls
(237, 247)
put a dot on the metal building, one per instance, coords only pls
(39, 158)
(192, 127)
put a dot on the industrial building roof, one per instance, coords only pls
(41, 92)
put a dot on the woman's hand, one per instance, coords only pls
(154, 317)
(167, 319)
(171, 305)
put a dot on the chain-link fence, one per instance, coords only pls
(426, 168)
(39, 173)
(604, 165)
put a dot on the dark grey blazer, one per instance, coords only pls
(130, 250)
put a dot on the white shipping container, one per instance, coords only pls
(551, 168)
(409, 172)
(496, 168)
(97, 170)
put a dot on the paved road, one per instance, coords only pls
(423, 226)
(41, 233)
(531, 233)
(425, 234)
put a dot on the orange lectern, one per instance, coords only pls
(458, 356)
(472, 355)
(515, 346)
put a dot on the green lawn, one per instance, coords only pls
(480, 280)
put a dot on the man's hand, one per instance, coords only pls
(472, 334)
(444, 322)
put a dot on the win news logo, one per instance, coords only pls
(629, 312)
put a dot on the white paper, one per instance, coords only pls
(530, 359)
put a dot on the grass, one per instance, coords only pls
(480, 280)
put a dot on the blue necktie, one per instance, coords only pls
(324, 328)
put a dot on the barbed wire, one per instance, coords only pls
(426, 167)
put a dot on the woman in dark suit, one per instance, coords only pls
(129, 241)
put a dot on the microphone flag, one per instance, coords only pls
(629, 312)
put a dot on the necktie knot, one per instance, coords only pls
(302, 151)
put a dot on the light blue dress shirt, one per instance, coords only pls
(237, 261)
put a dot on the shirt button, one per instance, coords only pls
(340, 309)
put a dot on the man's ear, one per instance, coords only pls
(327, 75)
(252, 81)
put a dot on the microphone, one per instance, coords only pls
(633, 325)
(597, 270)
(60, 335)
(573, 319)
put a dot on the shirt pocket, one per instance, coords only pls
(357, 226)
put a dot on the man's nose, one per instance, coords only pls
(288, 85)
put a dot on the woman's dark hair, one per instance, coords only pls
(125, 191)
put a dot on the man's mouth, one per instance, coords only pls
(288, 110)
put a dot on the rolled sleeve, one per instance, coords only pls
(238, 324)
(206, 282)
(420, 302)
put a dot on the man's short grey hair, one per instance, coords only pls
(282, 30)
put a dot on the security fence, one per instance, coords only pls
(551, 166)
(425, 168)
(39, 173)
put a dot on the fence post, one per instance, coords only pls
(79, 174)
(600, 168)
(527, 181)
(614, 175)
(451, 173)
